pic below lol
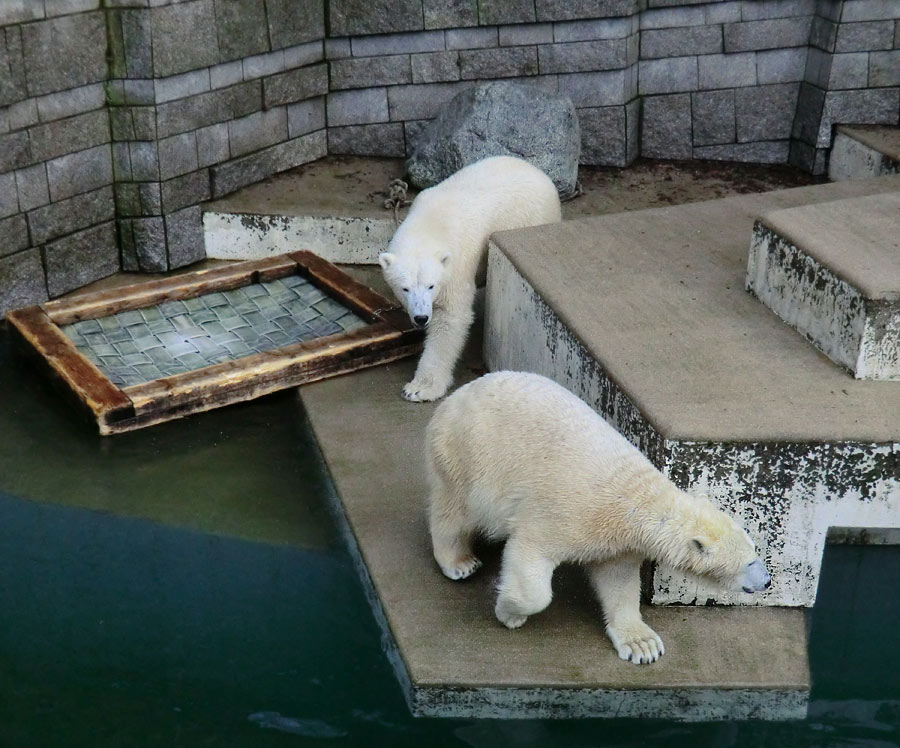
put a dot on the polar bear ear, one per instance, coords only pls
(699, 545)
(445, 258)
(386, 259)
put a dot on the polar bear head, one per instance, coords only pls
(416, 281)
(721, 549)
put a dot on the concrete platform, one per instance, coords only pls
(864, 151)
(832, 272)
(451, 655)
(644, 315)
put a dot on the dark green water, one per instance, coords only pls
(186, 586)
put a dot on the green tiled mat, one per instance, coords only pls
(178, 336)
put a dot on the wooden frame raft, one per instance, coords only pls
(388, 335)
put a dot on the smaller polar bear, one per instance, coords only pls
(516, 456)
(434, 256)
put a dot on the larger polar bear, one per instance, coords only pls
(514, 455)
(434, 256)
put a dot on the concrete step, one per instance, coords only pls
(644, 315)
(864, 151)
(832, 272)
(454, 659)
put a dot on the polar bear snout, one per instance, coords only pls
(755, 577)
(421, 320)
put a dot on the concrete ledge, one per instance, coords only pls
(451, 656)
(832, 272)
(644, 316)
(862, 152)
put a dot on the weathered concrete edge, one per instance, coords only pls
(829, 311)
(699, 465)
(252, 236)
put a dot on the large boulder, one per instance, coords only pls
(500, 119)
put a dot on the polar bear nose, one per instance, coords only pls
(421, 320)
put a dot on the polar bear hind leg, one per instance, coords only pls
(525, 583)
(617, 583)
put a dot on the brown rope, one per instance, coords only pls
(396, 197)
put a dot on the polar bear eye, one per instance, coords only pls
(405, 290)
(431, 287)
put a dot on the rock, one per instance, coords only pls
(500, 119)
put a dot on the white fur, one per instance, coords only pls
(433, 259)
(516, 456)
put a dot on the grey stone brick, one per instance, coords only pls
(667, 75)
(212, 144)
(143, 245)
(498, 63)
(823, 33)
(632, 130)
(766, 152)
(352, 17)
(810, 105)
(137, 43)
(865, 36)
(420, 101)
(268, 63)
(818, 67)
(149, 198)
(79, 172)
(188, 189)
(144, 159)
(32, 187)
(471, 38)
(633, 49)
(762, 9)
(367, 140)
(295, 85)
(596, 89)
(869, 10)
(875, 106)
(525, 34)
(713, 116)
(138, 92)
(81, 258)
(20, 11)
(884, 68)
(397, 44)
(293, 23)
(12, 82)
(57, 219)
(370, 71)
(178, 155)
(15, 151)
(181, 86)
(830, 9)
(727, 71)
(9, 198)
(143, 120)
(664, 18)
(303, 54)
(496, 12)
(248, 169)
(568, 10)
(781, 65)
(127, 201)
(666, 131)
(257, 130)
(583, 57)
(241, 28)
(677, 42)
(226, 74)
(444, 14)
(184, 37)
(71, 102)
(208, 108)
(583, 31)
(336, 49)
(121, 162)
(13, 234)
(79, 40)
(359, 107)
(64, 7)
(184, 231)
(305, 117)
(603, 136)
(897, 35)
(69, 135)
(22, 280)
(115, 54)
(19, 115)
(765, 112)
(772, 34)
(433, 67)
(849, 70)
(721, 12)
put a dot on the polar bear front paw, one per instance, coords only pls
(462, 568)
(422, 391)
(508, 615)
(636, 642)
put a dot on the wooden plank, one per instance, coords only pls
(186, 286)
(102, 398)
(363, 300)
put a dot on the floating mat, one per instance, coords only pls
(143, 354)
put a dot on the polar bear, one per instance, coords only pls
(514, 455)
(435, 254)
